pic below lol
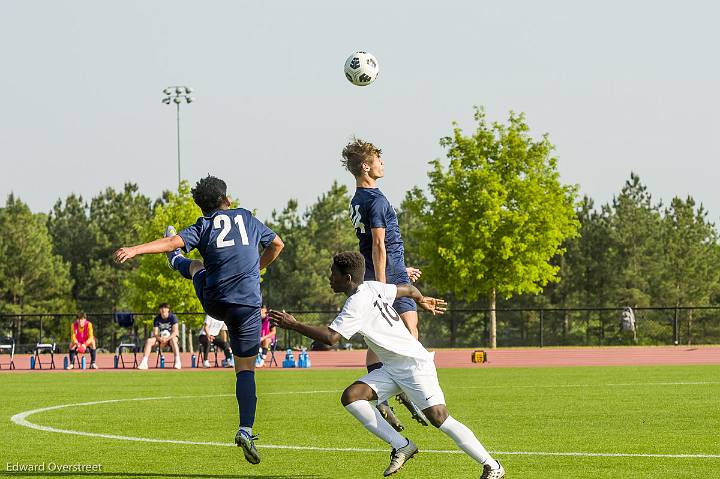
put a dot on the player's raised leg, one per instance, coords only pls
(356, 399)
(186, 267)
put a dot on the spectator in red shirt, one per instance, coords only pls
(82, 339)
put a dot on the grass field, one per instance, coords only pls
(669, 410)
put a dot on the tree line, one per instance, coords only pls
(493, 228)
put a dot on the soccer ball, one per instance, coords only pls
(164, 333)
(361, 68)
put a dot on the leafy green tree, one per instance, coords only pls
(152, 282)
(497, 214)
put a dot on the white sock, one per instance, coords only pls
(372, 420)
(466, 440)
(248, 430)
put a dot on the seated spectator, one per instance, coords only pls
(165, 332)
(82, 339)
(267, 336)
(212, 333)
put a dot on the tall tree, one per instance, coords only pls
(298, 280)
(32, 277)
(115, 215)
(497, 214)
(692, 268)
(74, 238)
(635, 236)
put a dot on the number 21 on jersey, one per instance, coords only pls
(223, 221)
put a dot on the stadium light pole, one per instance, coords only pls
(178, 95)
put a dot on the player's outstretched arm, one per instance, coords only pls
(284, 320)
(272, 251)
(434, 305)
(162, 245)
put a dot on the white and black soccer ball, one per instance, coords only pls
(361, 68)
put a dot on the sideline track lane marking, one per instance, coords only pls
(21, 420)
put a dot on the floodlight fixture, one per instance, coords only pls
(178, 94)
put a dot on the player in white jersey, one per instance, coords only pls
(407, 366)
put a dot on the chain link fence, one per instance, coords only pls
(457, 328)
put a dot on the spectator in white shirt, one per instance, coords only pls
(213, 332)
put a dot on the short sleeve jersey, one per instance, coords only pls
(369, 312)
(228, 241)
(369, 209)
(165, 324)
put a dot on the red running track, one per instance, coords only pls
(460, 358)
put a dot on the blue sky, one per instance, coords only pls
(618, 86)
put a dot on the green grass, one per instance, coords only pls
(645, 410)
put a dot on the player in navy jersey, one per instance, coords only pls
(227, 282)
(381, 244)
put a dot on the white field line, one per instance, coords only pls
(21, 420)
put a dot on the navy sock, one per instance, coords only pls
(245, 394)
(93, 353)
(72, 355)
(182, 265)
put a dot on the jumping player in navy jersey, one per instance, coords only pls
(227, 282)
(378, 233)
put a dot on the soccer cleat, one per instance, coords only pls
(143, 365)
(178, 364)
(398, 457)
(71, 366)
(246, 441)
(206, 364)
(387, 413)
(93, 366)
(490, 473)
(415, 411)
(170, 231)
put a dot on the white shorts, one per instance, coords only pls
(422, 387)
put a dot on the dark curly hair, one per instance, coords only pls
(352, 263)
(356, 153)
(209, 194)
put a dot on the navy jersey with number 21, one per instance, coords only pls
(369, 209)
(228, 241)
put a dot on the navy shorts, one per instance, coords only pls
(243, 322)
(403, 305)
